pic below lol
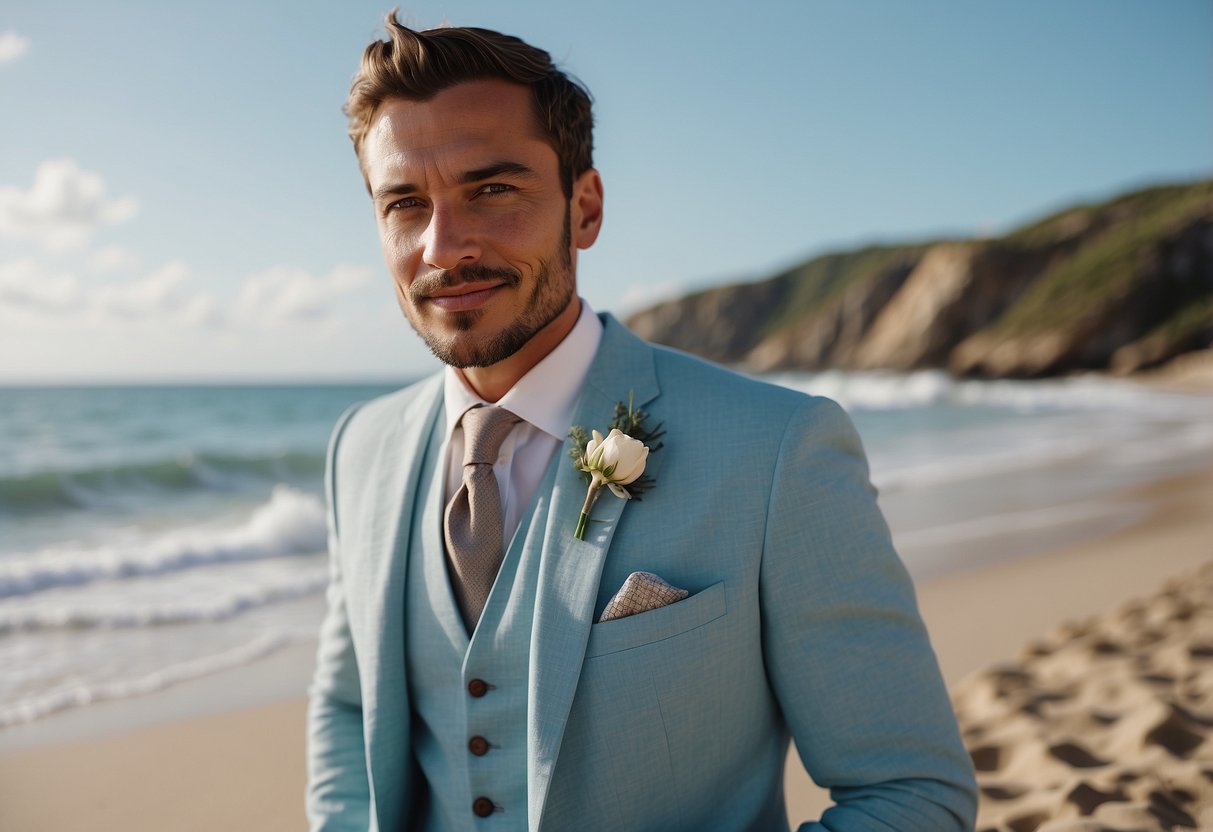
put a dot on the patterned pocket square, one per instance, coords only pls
(641, 592)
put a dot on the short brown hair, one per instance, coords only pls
(416, 66)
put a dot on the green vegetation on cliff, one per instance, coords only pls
(1124, 283)
(812, 286)
(1105, 270)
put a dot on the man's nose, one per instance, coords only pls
(449, 240)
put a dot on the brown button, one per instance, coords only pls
(483, 807)
(478, 746)
(478, 687)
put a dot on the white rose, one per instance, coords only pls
(615, 461)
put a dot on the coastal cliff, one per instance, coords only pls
(1122, 285)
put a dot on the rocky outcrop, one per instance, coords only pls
(956, 290)
(1158, 304)
(834, 333)
(1122, 285)
(719, 324)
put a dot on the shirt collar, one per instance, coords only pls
(547, 395)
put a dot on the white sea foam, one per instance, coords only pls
(1010, 522)
(958, 430)
(881, 390)
(871, 391)
(1177, 442)
(76, 695)
(1089, 393)
(986, 463)
(126, 607)
(1118, 444)
(291, 522)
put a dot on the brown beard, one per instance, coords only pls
(550, 296)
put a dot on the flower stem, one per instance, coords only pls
(590, 496)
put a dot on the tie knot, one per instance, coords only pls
(484, 429)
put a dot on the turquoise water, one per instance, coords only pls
(154, 534)
(77, 462)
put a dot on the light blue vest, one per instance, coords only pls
(470, 700)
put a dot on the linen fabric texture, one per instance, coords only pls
(441, 660)
(800, 623)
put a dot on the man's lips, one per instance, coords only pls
(463, 297)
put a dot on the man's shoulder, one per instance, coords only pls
(420, 394)
(683, 374)
(699, 394)
(369, 419)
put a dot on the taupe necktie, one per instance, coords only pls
(473, 516)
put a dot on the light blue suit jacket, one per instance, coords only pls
(801, 623)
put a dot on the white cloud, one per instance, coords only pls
(26, 287)
(63, 209)
(167, 323)
(284, 295)
(114, 258)
(12, 46)
(200, 311)
(31, 291)
(155, 295)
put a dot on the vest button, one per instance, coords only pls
(478, 746)
(483, 807)
(478, 687)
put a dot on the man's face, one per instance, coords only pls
(475, 229)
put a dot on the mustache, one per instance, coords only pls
(427, 284)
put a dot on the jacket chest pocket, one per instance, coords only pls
(657, 625)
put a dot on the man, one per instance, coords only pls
(467, 676)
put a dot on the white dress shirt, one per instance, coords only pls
(544, 399)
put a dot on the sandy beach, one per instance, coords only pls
(983, 622)
(1004, 635)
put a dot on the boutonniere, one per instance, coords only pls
(616, 460)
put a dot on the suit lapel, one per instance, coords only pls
(430, 515)
(570, 569)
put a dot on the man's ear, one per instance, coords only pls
(586, 205)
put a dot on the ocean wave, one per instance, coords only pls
(1007, 523)
(994, 462)
(1119, 445)
(883, 390)
(292, 522)
(871, 390)
(215, 606)
(77, 695)
(118, 485)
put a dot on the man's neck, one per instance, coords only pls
(494, 381)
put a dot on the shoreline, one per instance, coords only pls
(226, 751)
(941, 529)
(279, 677)
(1174, 538)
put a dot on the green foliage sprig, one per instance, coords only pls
(629, 420)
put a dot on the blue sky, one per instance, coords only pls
(179, 201)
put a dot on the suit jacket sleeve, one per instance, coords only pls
(338, 789)
(863, 696)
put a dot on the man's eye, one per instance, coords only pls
(494, 188)
(407, 202)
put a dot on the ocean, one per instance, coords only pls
(151, 535)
